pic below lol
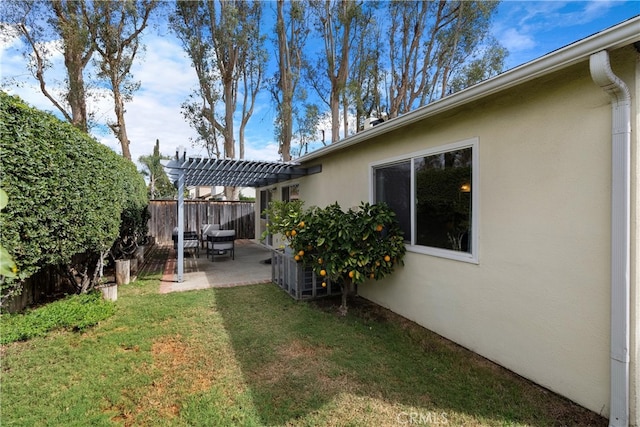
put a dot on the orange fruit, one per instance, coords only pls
(324, 284)
(377, 263)
(297, 258)
(301, 253)
(379, 227)
(301, 224)
(323, 272)
(351, 274)
(293, 233)
(387, 258)
(372, 275)
(319, 260)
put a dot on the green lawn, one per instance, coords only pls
(251, 356)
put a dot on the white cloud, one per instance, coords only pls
(154, 113)
(594, 10)
(530, 29)
(264, 152)
(516, 41)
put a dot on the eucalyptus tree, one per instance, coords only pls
(226, 48)
(252, 64)
(336, 22)
(291, 31)
(431, 45)
(46, 27)
(363, 96)
(306, 121)
(116, 27)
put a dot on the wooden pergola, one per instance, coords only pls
(203, 171)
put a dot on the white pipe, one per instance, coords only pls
(620, 233)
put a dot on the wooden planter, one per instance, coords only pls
(123, 272)
(109, 291)
(297, 280)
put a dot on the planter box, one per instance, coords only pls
(109, 292)
(123, 272)
(297, 280)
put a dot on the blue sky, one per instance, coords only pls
(528, 29)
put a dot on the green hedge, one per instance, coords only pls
(66, 191)
(135, 214)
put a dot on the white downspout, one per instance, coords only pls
(620, 234)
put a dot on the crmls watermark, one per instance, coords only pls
(422, 418)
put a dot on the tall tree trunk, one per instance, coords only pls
(334, 105)
(76, 96)
(284, 65)
(119, 128)
(229, 109)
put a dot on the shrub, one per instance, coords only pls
(282, 216)
(76, 312)
(345, 247)
(66, 194)
(135, 214)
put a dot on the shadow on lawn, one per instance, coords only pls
(303, 363)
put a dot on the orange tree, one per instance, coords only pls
(350, 247)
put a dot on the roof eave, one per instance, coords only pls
(615, 37)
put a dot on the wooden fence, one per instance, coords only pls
(239, 216)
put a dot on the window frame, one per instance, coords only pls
(473, 143)
(288, 188)
(266, 195)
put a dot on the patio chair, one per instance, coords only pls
(205, 230)
(220, 242)
(190, 241)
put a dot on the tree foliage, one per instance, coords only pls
(116, 27)
(359, 59)
(291, 33)
(364, 87)
(160, 186)
(348, 248)
(337, 22)
(223, 40)
(431, 44)
(282, 216)
(40, 24)
(78, 29)
(66, 191)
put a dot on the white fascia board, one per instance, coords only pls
(615, 37)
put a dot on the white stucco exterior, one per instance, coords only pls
(537, 299)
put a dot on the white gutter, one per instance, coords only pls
(615, 37)
(620, 233)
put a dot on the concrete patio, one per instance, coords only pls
(248, 268)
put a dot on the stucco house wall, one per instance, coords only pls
(537, 298)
